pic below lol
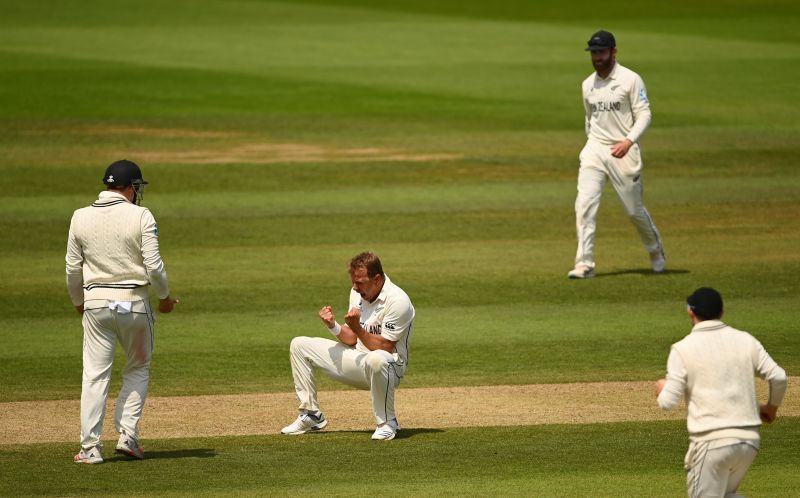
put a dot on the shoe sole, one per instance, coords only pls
(89, 462)
(313, 428)
(576, 277)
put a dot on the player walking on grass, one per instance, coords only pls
(371, 352)
(617, 114)
(714, 368)
(112, 256)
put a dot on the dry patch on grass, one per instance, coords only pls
(350, 410)
(222, 147)
(272, 153)
(131, 131)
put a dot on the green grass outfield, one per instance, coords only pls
(567, 461)
(481, 242)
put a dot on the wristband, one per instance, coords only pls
(336, 329)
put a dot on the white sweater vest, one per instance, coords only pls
(113, 253)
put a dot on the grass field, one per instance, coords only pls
(281, 138)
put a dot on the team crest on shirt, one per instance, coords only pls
(390, 326)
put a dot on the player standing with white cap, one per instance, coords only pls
(617, 114)
(112, 257)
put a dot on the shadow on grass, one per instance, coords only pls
(403, 434)
(155, 455)
(645, 272)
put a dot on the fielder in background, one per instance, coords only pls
(371, 351)
(617, 114)
(112, 256)
(714, 367)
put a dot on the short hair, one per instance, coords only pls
(367, 260)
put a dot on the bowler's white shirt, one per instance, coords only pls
(390, 315)
(616, 107)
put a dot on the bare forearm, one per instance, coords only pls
(372, 341)
(347, 336)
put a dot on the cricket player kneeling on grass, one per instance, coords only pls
(371, 352)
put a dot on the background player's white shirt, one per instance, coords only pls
(714, 367)
(616, 107)
(391, 315)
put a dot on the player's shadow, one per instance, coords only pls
(168, 454)
(641, 271)
(407, 433)
(403, 434)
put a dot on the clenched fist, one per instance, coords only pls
(326, 315)
(353, 318)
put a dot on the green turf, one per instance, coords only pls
(482, 242)
(624, 459)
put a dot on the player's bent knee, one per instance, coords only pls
(298, 343)
(379, 359)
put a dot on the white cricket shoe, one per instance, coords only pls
(92, 455)
(129, 445)
(658, 260)
(305, 422)
(581, 270)
(386, 431)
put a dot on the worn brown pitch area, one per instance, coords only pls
(350, 410)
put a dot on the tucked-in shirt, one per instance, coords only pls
(616, 107)
(390, 315)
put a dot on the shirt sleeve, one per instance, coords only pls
(397, 319)
(587, 113)
(673, 390)
(74, 260)
(640, 107)
(767, 369)
(156, 273)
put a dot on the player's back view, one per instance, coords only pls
(112, 257)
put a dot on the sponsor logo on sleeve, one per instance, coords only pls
(643, 95)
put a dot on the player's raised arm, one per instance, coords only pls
(371, 341)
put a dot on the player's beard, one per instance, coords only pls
(603, 65)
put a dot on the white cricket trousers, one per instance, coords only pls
(625, 174)
(716, 471)
(375, 371)
(102, 328)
